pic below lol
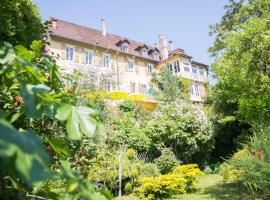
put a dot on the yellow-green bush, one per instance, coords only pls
(180, 180)
(190, 172)
(161, 186)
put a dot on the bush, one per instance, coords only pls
(149, 169)
(167, 161)
(182, 179)
(161, 187)
(127, 106)
(191, 173)
(251, 167)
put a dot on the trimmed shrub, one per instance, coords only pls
(161, 187)
(191, 173)
(149, 169)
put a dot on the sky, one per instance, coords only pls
(184, 22)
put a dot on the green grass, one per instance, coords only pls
(210, 187)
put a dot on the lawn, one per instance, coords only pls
(211, 187)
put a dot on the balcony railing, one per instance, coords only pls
(195, 77)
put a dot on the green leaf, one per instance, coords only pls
(31, 159)
(78, 119)
(7, 54)
(36, 47)
(31, 98)
(23, 52)
(59, 147)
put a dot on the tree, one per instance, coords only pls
(170, 86)
(242, 63)
(20, 22)
(184, 128)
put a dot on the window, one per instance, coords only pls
(176, 66)
(186, 69)
(171, 67)
(106, 61)
(201, 72)
(194, 88)
(144, 89)
(88, 57)
(194, 70)
(70, 53)
(124, 48)
(130, 66)
(156, 56)
(150, 69)
(144, 52)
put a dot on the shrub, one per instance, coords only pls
(191, 173)
(149, 169)
(167, 161)
(161, 187)
(251, 166)
(127, 106)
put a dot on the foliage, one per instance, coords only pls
(20, 22)
(167, 161)
(149, 169)
(168, 85)
(252, 166)
(126, 106)
(31, 90)
(182, 179)
(126, 131)
(242, 62)
(191, 173)
(184, 128)
(161, 187)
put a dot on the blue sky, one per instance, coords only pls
(185, 22)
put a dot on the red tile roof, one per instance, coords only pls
(75, 32)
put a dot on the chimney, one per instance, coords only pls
(103, 24)
(164, 47)
(170, 46)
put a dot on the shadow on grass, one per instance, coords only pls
(229, 191)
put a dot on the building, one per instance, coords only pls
(131, 62)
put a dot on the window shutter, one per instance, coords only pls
(140, 87)
(137, 69)
(77, 56)
(146, 71)
(63, 52)
(132, 89)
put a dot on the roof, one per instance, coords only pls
(90, 36)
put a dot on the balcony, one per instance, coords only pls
(195, 77)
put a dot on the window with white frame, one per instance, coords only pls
(144, 89)
(144, 52)
(156, 56)
(194, 70)
(150, 68)
(194, 89)
(186, 69)
(69, 80)
(124, 47)
(70, 53)
(89, 57)
(133, 87)
(106, 60)
(176, 66)
(130, 66)
(201, 72)
(109, 86)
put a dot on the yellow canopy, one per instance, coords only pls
(117, 95)
(136, 97)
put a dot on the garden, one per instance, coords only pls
(60, 141)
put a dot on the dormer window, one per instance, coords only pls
(123, 45)
(124, 48)
(156, 56)
(144, 52)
